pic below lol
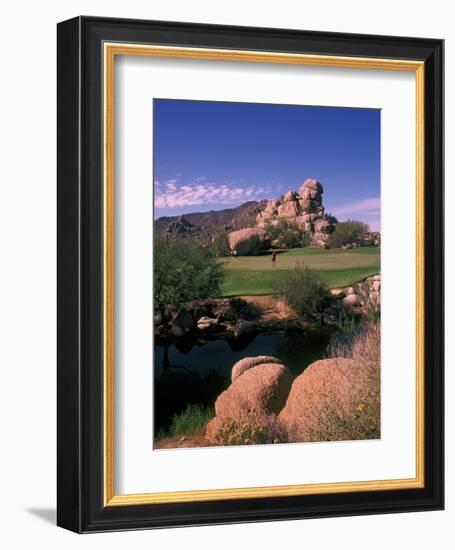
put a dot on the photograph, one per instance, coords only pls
(250, 282)
(267, 273)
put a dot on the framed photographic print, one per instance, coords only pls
(250, 274)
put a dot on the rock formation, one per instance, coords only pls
(258, 392)
(323, 382)
(303, 207)
(181, 228)
(248, 241)
(249, 362)
(365, 294)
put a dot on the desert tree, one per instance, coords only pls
(184, 270)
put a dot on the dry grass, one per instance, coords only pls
(251, 431)
(353, 411)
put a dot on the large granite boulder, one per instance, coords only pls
(289, 196)
(257, 393)
(289, 209)
(249, 362)
(247, 241)
(324, 385)
(313, 184)
(271, 206)
(208, 324)
(311, 194)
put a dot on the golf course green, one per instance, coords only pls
(256, 275)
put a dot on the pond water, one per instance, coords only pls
(196, 371)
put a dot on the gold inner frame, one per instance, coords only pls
(110, 51)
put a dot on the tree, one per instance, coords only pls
(304, 291)
(347, 232)
(184, 270)
(331, 219)
(285, 233)
(220, 245)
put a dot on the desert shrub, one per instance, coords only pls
(184, 270)
(347, 325)
(306, 239)
(241, 309)
(285, 234)
(371, 303)
(331, 219)
(355, 411)
(304, 292)
(251, 431)
(220, 245)
(190, 421)
(347, 232)
(350, 324)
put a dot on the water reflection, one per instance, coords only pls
(197, 371)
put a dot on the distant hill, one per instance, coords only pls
(204, 225)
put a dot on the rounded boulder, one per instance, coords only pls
(247, 241)
(323, 383)
(259, 392)
(249, 362)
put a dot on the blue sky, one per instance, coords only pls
(215, 155)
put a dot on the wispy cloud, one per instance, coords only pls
(372, 204)
(170, 194)
(367, 210)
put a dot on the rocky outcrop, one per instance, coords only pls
(363, 297)
(181, 228)
(208, 324)
(256, 393)
(247, 241)
(232, 317)
(365, 294)
(183, 323)
(303, 207)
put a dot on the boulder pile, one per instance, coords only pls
(365, 293)
(303, 207)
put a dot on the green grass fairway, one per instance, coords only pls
(254, 275)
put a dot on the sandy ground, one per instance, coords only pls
(182, 442)
(272, 307)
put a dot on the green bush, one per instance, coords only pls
(286, 234)
(331, 218)
(191, 421)
(347, 232)
(220, 245)
(305, 292)
(184, 270)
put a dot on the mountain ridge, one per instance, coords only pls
(212, 222)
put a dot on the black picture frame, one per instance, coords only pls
(80, 474)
